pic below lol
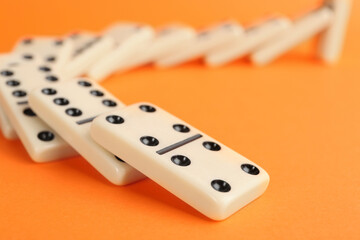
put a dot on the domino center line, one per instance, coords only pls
(22, 102)
(178, 144)
(86, 46)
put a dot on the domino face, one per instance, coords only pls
(40, 141)
(70, 111)
(331, 41)
(303, 28)
(81, 41)
(206, 41)
(128, 38)
(253, 38)
(122, 31)
(55, 52)
(166, 42)
(9, 60)
(6, 127)
(88, 48)
(169, 39)
(204, 173)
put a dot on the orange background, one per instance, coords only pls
(296, 117)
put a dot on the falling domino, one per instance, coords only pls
(40, 141)
(7, 129)
(332, 39)
(253, 38)
(166, 42)
(205, 41)
(54, 51)
(89, 47)
(302, 29)
(128, 38)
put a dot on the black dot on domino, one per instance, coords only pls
(96, 93)
(28, 56)
(149, 141)
(61, 101)
(181, 160)
(329, 5)
(51, 78)
(13, 83)
(29, 112)
(181, 128)
(27, 41)
(73, 112)
(48, 91)
(212, 146)
(250, 169)
(147, 108)
(109, 103)
(119, 159)
(59, 42)
(51, 59)
(220, 185)
(45, 136)
(44, 69)
(19, 93)
(115, 119)
(84, 83)
(7, 73)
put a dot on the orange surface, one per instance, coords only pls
(297, 118)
